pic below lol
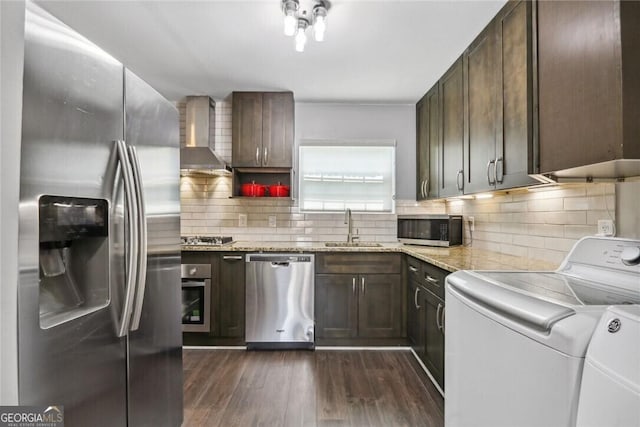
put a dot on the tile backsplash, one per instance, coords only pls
(540, 223)
(207, 209)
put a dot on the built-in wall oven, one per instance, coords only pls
(196, 297)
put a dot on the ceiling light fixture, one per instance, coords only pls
(296, 20)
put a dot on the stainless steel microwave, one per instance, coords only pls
(430, 230)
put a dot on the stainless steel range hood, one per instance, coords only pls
(199, 152)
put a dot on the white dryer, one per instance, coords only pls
(516, 341)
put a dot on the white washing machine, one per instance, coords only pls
(610, 389)
(516, 341)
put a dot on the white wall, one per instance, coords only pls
(11, 65)
(361, 121)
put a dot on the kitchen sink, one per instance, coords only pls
(352, 245)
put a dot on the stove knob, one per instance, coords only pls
(630, 255)
(193, 271)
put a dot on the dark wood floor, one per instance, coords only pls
(306, 388)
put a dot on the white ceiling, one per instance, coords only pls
(374, 51)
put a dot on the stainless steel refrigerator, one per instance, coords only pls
(99, 327)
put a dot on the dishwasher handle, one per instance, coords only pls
(276, 264)
(280, 258)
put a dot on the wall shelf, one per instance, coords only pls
(264, 176)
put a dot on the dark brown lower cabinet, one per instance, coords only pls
(415, 319)
(380, 306)
(432, 311)
(425, 314)
(359, 297)
(336, 306)
(232, 294)
(358, 306)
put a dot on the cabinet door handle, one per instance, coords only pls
(413, 269)
(426, 188)
(232, 257)
(415, 298)
(362, 285)
(438, 324)
(353, 285)
(432, 280)
(458, 184)
(258, 156)
(442, 319)
(491, 162)
(499, 161)
(265, 157)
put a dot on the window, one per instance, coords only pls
(336, 175)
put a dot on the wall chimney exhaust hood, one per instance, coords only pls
(198, 154)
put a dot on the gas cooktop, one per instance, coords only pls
(206, 240)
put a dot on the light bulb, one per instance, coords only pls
(301, 40)
(319, 22)
(290, 23)
(318, 28)
(301, 37)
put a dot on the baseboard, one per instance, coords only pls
(347, 348)
(214, 347)
(424, 368)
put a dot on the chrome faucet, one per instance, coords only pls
(347, 220)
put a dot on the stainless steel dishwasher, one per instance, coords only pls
(279, 301)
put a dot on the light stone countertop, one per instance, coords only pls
(451, 259)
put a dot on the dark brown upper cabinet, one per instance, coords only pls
(548, 87)
(516, 140)
(485, 113)
(262, 134)
(480, 110)
(422, 149)
(427, 131)
(589, 89)
(451, 126)
(499, 102)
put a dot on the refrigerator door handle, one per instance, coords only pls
(142, 239)
(132, 250)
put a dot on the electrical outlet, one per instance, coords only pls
(272, 221)
(242, 220)
(605, 227)
(472, 223)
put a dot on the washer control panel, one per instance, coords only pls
(611, 253)
(630, 255)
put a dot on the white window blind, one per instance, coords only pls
(336, 175)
